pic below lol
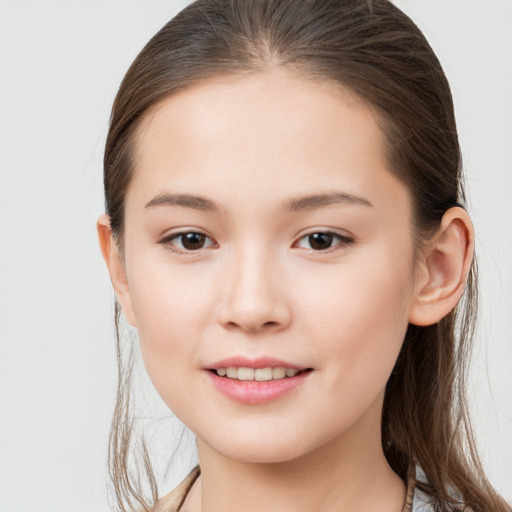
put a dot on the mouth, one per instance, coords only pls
(243, 373)
(256, 381)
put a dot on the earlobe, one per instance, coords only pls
(116, 267)
(443, 269)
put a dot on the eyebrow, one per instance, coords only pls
(298, 204)
(313, 202)
(186, 200)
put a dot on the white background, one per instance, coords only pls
(60, 65)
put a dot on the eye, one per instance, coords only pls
(323, 241)
(188, 241)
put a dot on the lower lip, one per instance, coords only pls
(256, 392)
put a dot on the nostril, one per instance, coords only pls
(266, 326)
(253, 317)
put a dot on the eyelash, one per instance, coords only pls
(168, 241)
(343, 241)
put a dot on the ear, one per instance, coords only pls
(443, 269)
(116, 267)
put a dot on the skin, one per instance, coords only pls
(258, 288)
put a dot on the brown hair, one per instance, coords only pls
(372, 48)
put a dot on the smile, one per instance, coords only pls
(256, 374)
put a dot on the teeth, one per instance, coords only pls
(232, 373)
(246, 373)
(259, 374)
(279, 373)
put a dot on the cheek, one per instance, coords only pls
(171, 310)
(360, 318)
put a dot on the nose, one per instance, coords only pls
(254, 298)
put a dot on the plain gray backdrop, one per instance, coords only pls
(60, 65)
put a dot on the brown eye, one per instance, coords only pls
(323, 241)
(188, 241)
(320, 241)
(192, 241)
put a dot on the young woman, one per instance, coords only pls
(285, 228)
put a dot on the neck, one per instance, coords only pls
(348, 474)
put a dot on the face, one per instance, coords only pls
(266, 238)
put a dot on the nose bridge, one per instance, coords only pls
(254, 298)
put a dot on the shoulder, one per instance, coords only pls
(423, 502)
(173, 501)
(418, 500)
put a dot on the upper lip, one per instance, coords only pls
(260, 362)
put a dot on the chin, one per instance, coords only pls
(273, 448)
(270, 454)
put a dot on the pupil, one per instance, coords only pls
(320, 241)
(193, 240)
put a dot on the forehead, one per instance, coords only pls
(269, 129)
(279, 100)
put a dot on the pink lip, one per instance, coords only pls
(255, 392)
(260, 362)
